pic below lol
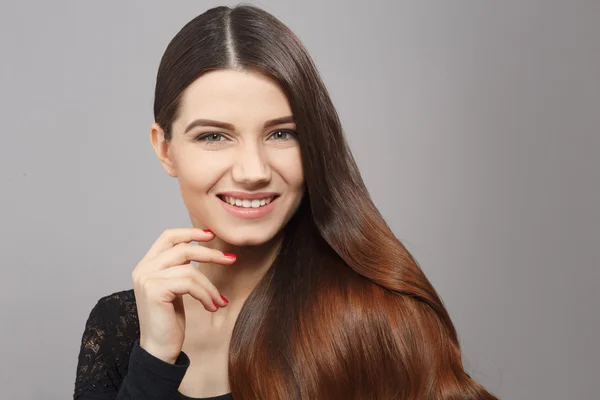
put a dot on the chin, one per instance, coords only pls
(240, 239)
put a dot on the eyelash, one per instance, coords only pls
(203, 137)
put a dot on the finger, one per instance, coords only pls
(174, 236)
(186, 270)
(182, 253)
(167, 289)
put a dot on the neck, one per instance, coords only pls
(237, 281)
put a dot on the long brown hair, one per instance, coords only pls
(344, 312)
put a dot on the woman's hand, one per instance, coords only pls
(162, 277)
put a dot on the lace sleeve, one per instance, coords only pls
(96, 373)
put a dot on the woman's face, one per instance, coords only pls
(227, 146)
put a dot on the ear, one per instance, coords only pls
(161, 147)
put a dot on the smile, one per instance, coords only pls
(248, 209)
(245, 203)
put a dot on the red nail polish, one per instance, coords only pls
(229, 255)
(216, 305)
(224, 299)
(207, 231)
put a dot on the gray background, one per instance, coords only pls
(475, 125)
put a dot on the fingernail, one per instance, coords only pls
(224, 299)
(229, 255)
(207, 231)
(216, 305)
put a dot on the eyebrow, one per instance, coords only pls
(226, 125)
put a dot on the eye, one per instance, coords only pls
(210, 137)
(284, 135)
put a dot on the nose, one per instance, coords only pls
(251, 166)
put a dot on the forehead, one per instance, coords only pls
(234, 96)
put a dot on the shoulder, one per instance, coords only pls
(107, 341)
(117, 298)
(118, 312)
(121, 302)
(112, 326)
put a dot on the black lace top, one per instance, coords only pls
(113, 366)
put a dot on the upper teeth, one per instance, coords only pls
(247, 203)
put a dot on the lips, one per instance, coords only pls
(247, 203)
(248, 212)
(248, 195)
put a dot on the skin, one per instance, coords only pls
(249, 158)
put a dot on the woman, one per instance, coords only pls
(301, 290)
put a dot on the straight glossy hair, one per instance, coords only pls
(344, 312)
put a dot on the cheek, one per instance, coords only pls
(289, 166)
(199, 172)
(197, 175)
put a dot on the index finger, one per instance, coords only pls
(170, 237)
